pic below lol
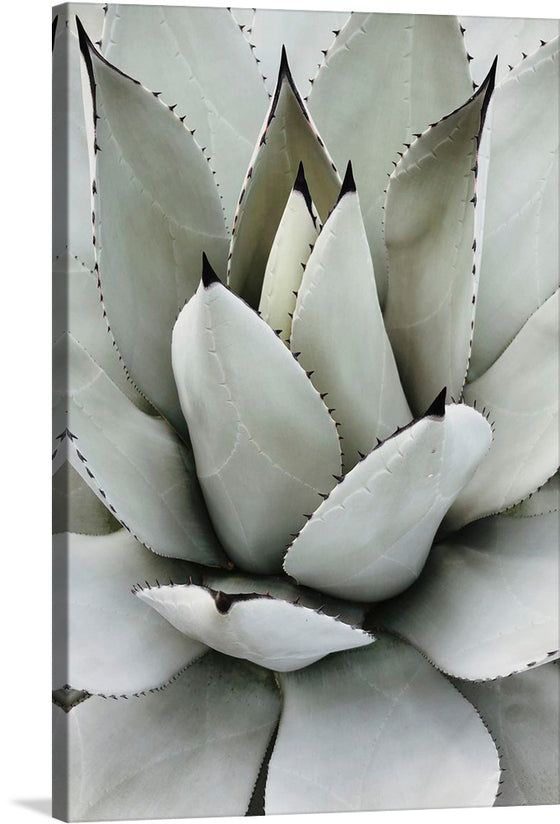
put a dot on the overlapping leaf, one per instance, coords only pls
(429, 232)
(156, 209)
(106, 642)
(202, 65)
(520, 263)
(192, 749)
(269, 631)
(486, 604)
(519, 393)
(288, 138)
(134, 462)
(338, 328)
(397, 736)
(370, 539)
(264, 443)
(384, 78)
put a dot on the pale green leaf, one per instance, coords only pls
(520, 263)
(370, 538)
(287, 139)
(306, 35)
(271, 632)
(523, 714)
(519, 394)
(105, 641)
(77, 309)
(290, 251)
(511, 38)
(134, 462)
(264, 443)
(486, 604)
(201, 63)
(193, 749)
(378, 729)
(338, 328)
(429, 230)
(156, 211)
(385, 77)
(544, 500)
(75, 508)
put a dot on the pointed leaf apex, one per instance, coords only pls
(348, 184)
(300, 185)
(208, 274)
(437, 407)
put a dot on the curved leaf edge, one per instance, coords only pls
(486, 90)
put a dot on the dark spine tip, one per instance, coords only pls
(300, 185)
(54, 25)
(348, 184)
(437, 407)
(208, 274)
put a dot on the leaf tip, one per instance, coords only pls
(437, 407)
(209, 276)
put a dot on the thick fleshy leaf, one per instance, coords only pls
(370, 538)
(193, 749)
(134, 462)
(290, 251)
(512, 39)
(105, 641)
(519, 394)
(398, 736)
(306, 35)
(487, 602)
(414, 68)
(77, 309)
(520, 263)
(268, 631)
(202, 65)
(544, 500)
(75, 508)
(279, 586)
(288, 138)
(71, 177)
(156, 209)
(338, 328)
(264, 443)
(429, 231)
(523, 714)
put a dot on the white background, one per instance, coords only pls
(25, 378)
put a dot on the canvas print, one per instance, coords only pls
(305, 411)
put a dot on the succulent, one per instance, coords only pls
(306, 412)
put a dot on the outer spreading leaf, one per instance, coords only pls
(193, 749)
(511, 39)
(288, 138)
(75, 508)
(77, 309)
(398, 736)
(520, 262)
(134, 462)
(519, 393)
(415, 69)
(523, 714)
(429, 232)
(370, 539)
(156, 210)
(263, 441)
(271, 632)
(306, 36)
(544, 500)
(290, 251)
(106, 642)
(201, 63)
(338, 328)
(487, 602)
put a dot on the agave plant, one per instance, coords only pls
(306, 422)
